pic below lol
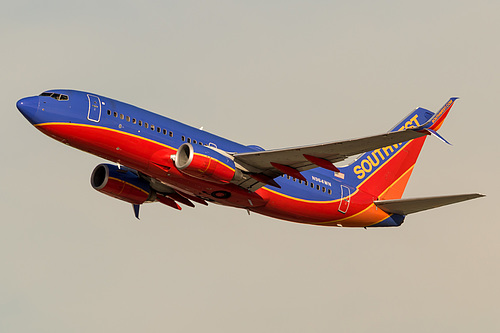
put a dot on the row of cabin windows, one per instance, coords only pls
(152, 127)
(306, 183)
(189, 140)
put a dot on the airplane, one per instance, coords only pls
(158, 159)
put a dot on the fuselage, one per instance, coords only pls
(145, 141)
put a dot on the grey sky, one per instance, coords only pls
(272, 73)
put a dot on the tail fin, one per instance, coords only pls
(385, 172)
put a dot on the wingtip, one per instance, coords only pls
(136, 211)
(474, 195)
(438, 118)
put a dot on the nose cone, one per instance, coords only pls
(28, 107)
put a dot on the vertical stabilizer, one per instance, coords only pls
(385, 172)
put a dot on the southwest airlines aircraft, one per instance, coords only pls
(160, 159)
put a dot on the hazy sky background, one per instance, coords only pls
(276, 74)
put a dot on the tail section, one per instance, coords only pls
(385, 172)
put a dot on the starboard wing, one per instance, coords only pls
(332, 151)
(268, 164)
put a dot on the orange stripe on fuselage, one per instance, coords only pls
(136, 152)
(361, 211)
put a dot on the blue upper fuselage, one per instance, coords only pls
(79, 107)
(70, 106)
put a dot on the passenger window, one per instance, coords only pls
(128, 118)
(109, 112)
(122, 116)
(164, 132)
(152, 127)
(317, 187)
(330, 191)
(171, 134)
(183, 138)
(324, 190)
(146, 125)
(194, 141)
(200, 143)
(305, 182)
(312, 185)
(115, 114)
(158, 129)
(140, 122)
(189, 140)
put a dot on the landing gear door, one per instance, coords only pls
(94, 108)
(345, 199)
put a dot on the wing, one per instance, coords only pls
(272, 163)
(262, 167)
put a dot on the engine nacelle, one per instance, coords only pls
(121, 183)
(205, 163)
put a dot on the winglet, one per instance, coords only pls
(136, 210)
(437, 120)
(431, 126)
(438, 136)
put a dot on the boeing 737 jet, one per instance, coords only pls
(158, 159)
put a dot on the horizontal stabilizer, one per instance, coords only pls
(414, 205)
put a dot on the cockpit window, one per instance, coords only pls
(59, 97)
